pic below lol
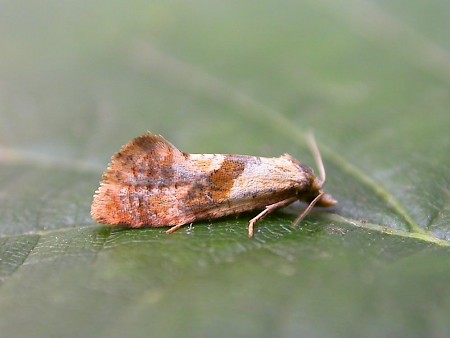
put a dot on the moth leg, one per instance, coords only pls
(175, 228)
(267, 210)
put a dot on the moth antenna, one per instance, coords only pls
(317, 157)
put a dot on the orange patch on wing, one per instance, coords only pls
(223, 178)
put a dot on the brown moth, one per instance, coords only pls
(151, 183)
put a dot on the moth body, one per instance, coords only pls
(151, 183)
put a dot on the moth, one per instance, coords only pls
(150, 183)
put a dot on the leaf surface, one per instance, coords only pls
(371, 79)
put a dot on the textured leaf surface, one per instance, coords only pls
(78, 80)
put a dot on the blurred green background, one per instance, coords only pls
(78, 79)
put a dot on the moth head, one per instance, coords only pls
(326, 200)
(315, 196)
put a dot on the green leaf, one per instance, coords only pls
(371, 79)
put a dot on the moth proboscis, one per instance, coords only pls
(149, 182)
